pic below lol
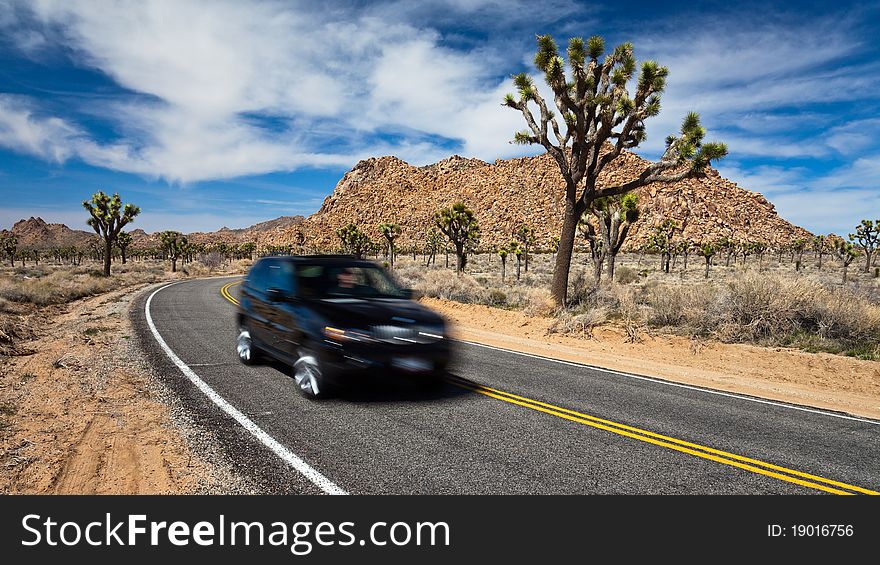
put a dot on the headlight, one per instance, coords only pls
(347, 334)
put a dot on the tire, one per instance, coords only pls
(248, 352)
(308, 374)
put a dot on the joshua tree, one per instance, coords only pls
(502, 252)
(868, 236)
(614, 216)
(247, 249)
(433, 245)
(516, 248)
(10, 245)
(526, 237)
(123, 240)
(662, 241)
(846, 252)
(108, 217)
(354, 241)
(554, 245)
(460, 226)
(174, 245)
(597, 246)
(708, 249)
(820, 246)
(798, 246)
(390, 232)
(758, 248)
(599, 119)
(682, 247)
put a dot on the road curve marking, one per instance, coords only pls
(717, 455)
(745, 463)
(293, 460)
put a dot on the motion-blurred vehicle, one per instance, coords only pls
(332, 316)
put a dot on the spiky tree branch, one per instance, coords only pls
(595, 119)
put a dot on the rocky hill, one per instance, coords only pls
(530, 190)
(35, 233)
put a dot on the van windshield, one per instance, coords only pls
(345, 281)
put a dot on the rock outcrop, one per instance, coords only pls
(530, 190)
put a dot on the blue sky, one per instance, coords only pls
(229, 112)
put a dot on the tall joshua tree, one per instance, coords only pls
(502, 253)
(798, 246)
(615, 215)
(868, 236)
(174, 244)
(820, 246)
(846, 252)
(10, 245)
(354, 241)
(123, 240)
(526, 237)
(662, 241)
(390, 232)
(708, 250)
(433, 245)
(460, 226)
(597, 119)
(108, 217)
(597, 246)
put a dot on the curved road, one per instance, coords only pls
(503, 423)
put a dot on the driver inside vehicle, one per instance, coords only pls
(344, 282)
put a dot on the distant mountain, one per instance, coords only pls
(35, 233)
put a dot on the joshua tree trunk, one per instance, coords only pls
(108, 250)
(174, 264)
(503, 268)
(559, 286)
(708, 261)
(610, 261)
(461, 258)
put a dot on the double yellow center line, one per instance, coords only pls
(726, 458)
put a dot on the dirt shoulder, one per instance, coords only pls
(82, 414)
(830, 382)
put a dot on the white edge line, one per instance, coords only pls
(679, 385)
(282, 452)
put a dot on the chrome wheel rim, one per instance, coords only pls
(244, 347)
(307, 373)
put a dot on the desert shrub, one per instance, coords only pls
(460, 288)
(581, 287)
(497, 297)
(212, 261)
(626, 275)
(579, 324)
(539, 302)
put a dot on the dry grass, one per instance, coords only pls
(777, 306)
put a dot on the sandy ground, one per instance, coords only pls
(820, 380)
(82, 414)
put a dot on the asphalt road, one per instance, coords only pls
(568, 430)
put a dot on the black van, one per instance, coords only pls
(331, 315)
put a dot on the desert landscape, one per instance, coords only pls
(81, 411)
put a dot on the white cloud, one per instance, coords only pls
(228, 88)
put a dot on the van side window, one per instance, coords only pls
(257, 278)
